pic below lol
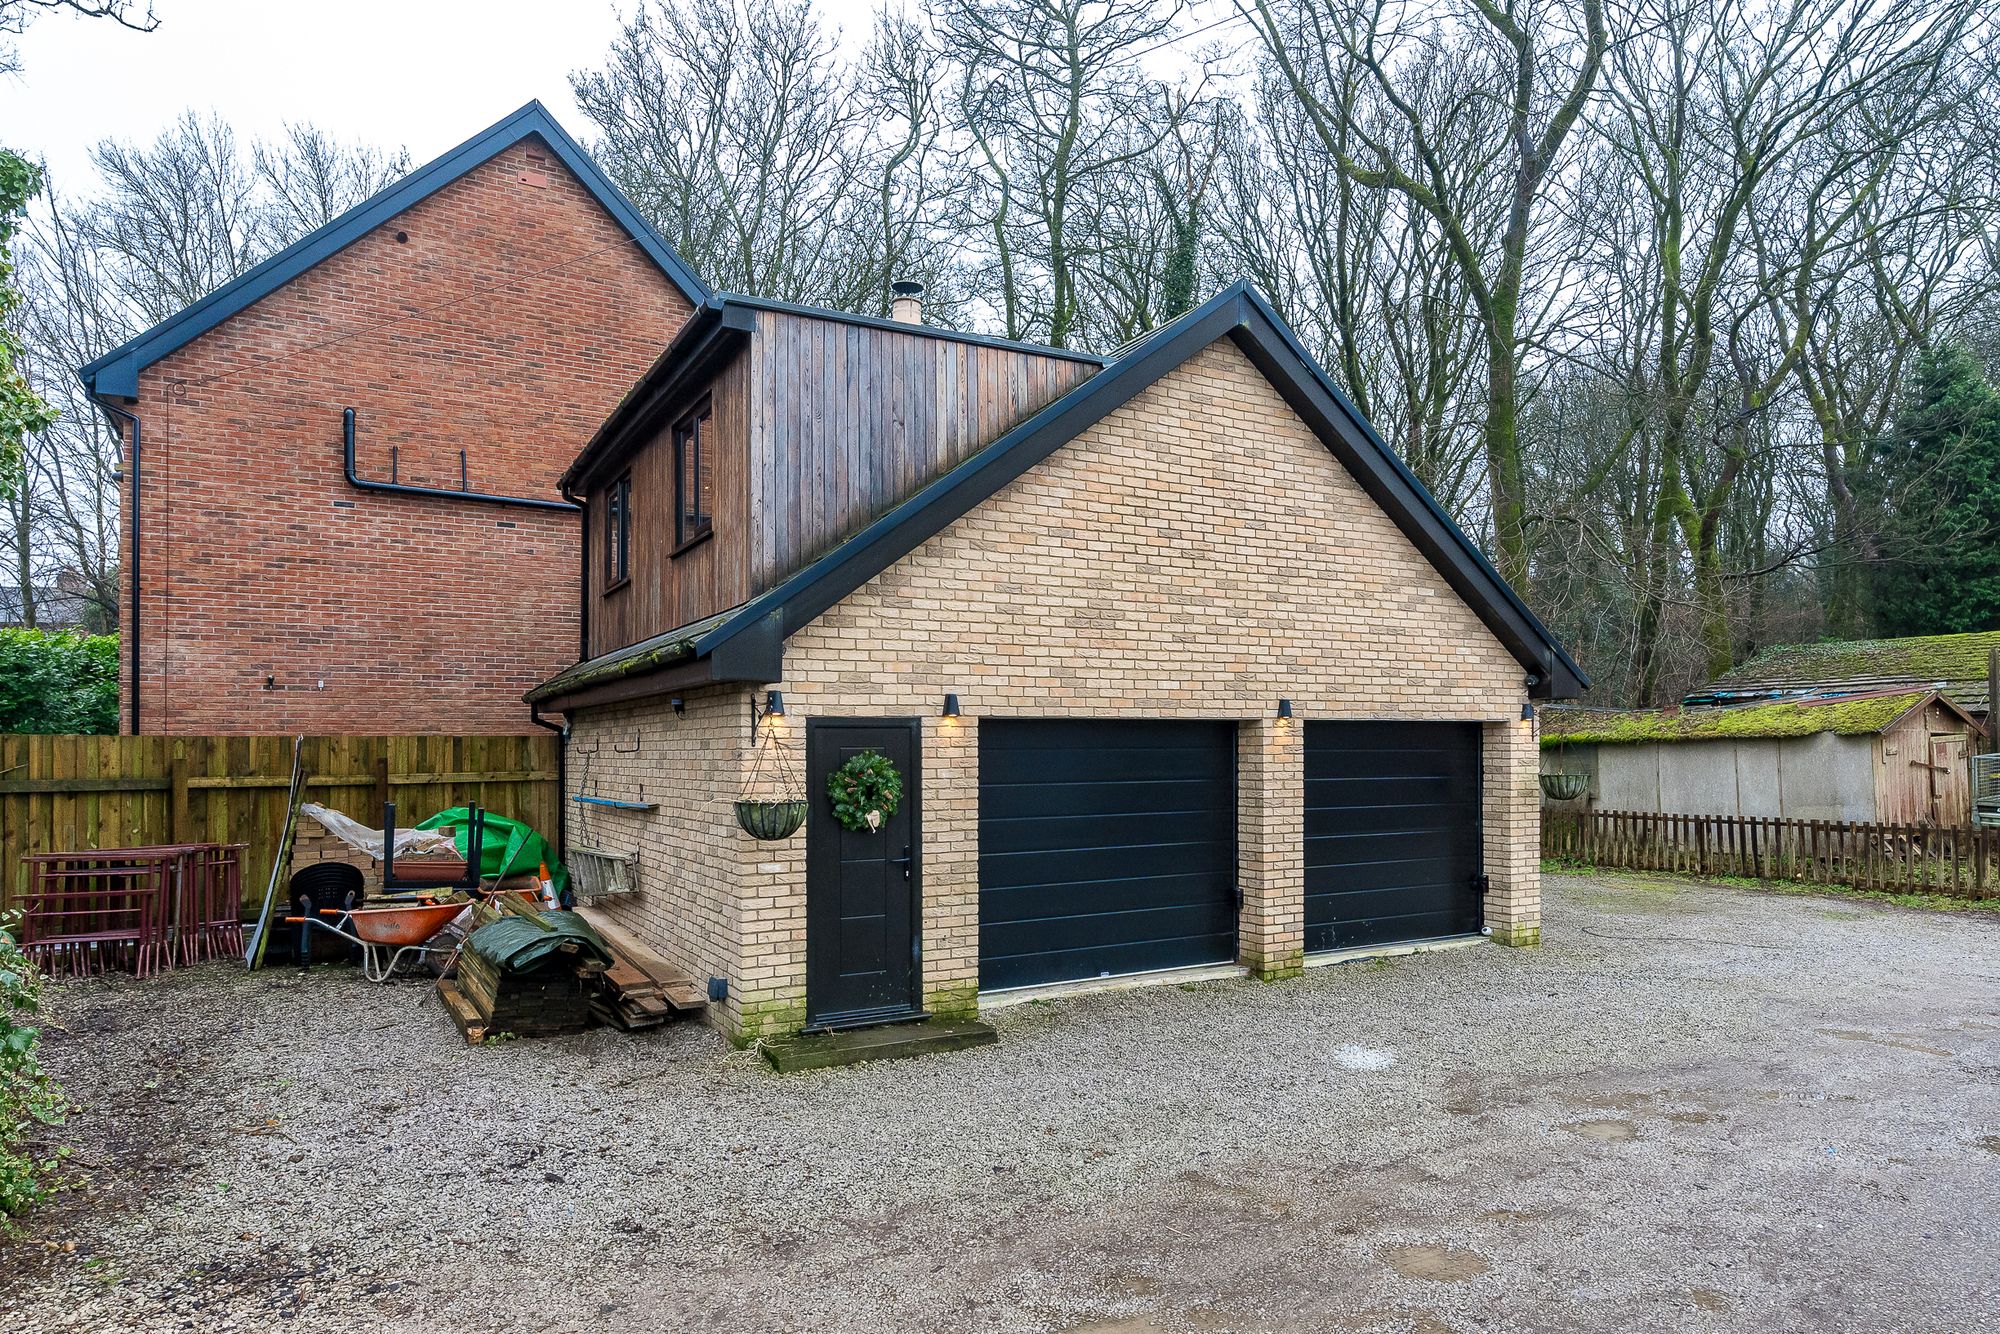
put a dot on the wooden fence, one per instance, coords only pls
(69, 793)
(1896, 858)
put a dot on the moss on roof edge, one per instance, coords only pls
(1847, 717)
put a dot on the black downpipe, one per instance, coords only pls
(562, 776)
(132, 574)
(582, 578)
(399, 489)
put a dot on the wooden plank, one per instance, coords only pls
(80, 786)
(631, 949)
(462, 1011)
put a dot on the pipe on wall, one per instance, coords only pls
(562, 775)
(400, 489)
(131, 628)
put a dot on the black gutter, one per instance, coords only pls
(132, 574)
(399, 489)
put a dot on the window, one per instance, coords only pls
(694, 479)
(617, 532)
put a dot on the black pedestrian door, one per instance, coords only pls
(1392, 832)
(861, 887)
(1104, 848)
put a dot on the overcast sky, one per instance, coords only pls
(423, 74)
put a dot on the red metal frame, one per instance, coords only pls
(144, 909)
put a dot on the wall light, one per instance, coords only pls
(680, 705)
(774, 707)
(950, 706)
(1284, 709)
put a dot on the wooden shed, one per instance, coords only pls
(1892, 757)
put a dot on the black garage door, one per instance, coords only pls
(1392, 832)
(1104, 848)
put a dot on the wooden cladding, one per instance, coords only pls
(850, 419)
(671, 584)
(1892, 858)
(816, 428)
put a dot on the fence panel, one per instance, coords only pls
(1895, 858)
(75, 793)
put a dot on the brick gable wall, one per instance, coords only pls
(1196, 554)
(509, 322)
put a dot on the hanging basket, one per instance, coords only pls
(769, 821)
(1564, 787)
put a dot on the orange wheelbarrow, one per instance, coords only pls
(387, 935)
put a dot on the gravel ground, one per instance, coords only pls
(1695, 1108)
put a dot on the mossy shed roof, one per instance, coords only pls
(1859, 716)
(1957, 662)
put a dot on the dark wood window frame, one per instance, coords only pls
(694, 523)
(618, 534)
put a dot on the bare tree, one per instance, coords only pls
(1426, 129)
(739, 130)
(309, 178)
(169, 223)
(16, 15)
(1062, 113)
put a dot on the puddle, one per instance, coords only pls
(1694, 1118)
(1609, 1130)
(1351, 1057)
(1708, 1299)
(1990, 1143)
(1620, 1102)
(1849, 1035)
(1435, 1264)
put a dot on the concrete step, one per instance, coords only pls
(817, 1051)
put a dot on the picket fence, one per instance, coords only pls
(1894, 858)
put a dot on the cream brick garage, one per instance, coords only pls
(1195, 553)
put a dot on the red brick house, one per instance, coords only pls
(340, 498)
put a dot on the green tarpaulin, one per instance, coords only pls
(511, 848)
(516, 944)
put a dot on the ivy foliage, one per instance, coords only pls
(29, 1100)
(56, 681)
(21, 408)
(867, 783)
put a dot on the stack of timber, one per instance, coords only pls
(639, 989)
(525, 973)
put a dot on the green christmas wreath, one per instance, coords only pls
(866, 791)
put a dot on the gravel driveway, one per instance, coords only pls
(1694, 1108)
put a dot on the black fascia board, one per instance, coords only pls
(935, 331)
(696, 355)
(1239, 313)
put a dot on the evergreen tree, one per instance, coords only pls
(1941, 513)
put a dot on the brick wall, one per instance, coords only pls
(507, 324)
(1197, 554)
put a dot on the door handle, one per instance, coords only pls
(903, 861)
